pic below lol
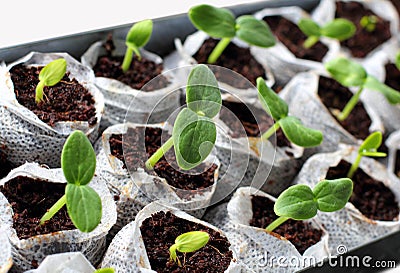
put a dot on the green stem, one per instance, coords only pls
(39, 92)
(127, 59)
(312, 40)
(54, 209)
(354, 166)
(159, 153)
(276, 223)
(271, 131)
(219, 48)
(350, 105)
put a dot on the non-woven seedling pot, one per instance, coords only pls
(349, 227)
(284, 64)
(393, 143)
(301, 94)
(127, 252)
(128, 197)
(240, 213)
(69, 262)
(24, 135)
(193, 43)
(325, 12)
(156, 187)
(34, 249)
(5, 253)
(120, 98)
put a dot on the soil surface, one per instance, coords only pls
(68, 100)
(371, 197)
(5, 166)
(392, 76)
(200, 177)
(236, 58)
(246, 115)
(301, 234)
(139, 74)
(397, 165)
(363, 41)
(335, 96)
(159, 232)
(30, 199)
(293, 38)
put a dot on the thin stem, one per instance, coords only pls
(312, 40)
(219, 48)
(354, 166)
(54, 209)
(39, 92)
(276, 223)
(271, 131)
(350, 105)
(127, 59)
(159, 153)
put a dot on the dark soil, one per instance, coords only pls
(68, 100)
(363, 41)
(246, 115)
(30, 199)
(397, 164)
(335, 96)
(293, 38)
(140, 72)
(5, 166)
(301, 234)
(371, 197)
(235, 58)
(159, 232)
(392, 76)
(200, 177)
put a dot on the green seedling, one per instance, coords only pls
(349, 73)
(78, 162)
(300, 202)
(194, 132)
(50, 75)
(340, 29)
(137, 37)
(188, 242)
(397, 60)
(221, 23)
(291, 126)
(368, 22)
(104, 270)
(368, 148)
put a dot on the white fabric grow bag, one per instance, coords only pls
(121, 98)
(25, 136)
(38, 247)
(393, 143)
(127, 253)
(5, 253)
(349, 227)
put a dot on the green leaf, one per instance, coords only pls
(191, 241)
(392, 95)
(339, 28)
(298, 134)
(202, 93)
(296, 202)
(368, 22)
(373, 154)
(372, 142)
(309, 27)
(397, 61)
(332, 195)
(216, 22)
(104, 270)
(253, 31)
(53, 72)
(78, 159)
(347, 73)
(84, 207)
(271, 102)
(194, 137)
(139, 34)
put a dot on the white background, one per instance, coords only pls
(27, 21)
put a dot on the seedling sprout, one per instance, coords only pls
(50, 75)
(368, 22)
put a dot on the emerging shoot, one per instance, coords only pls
(368, 22)
(221, 23)
(397, 60)
(137, 37)
(300, 202)
(104, 270)
(194, 132)
(50, 75)
(340, 29)
(349, 73)
(291, 126)
(78, 162)
(188, 242)
(368, 148)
